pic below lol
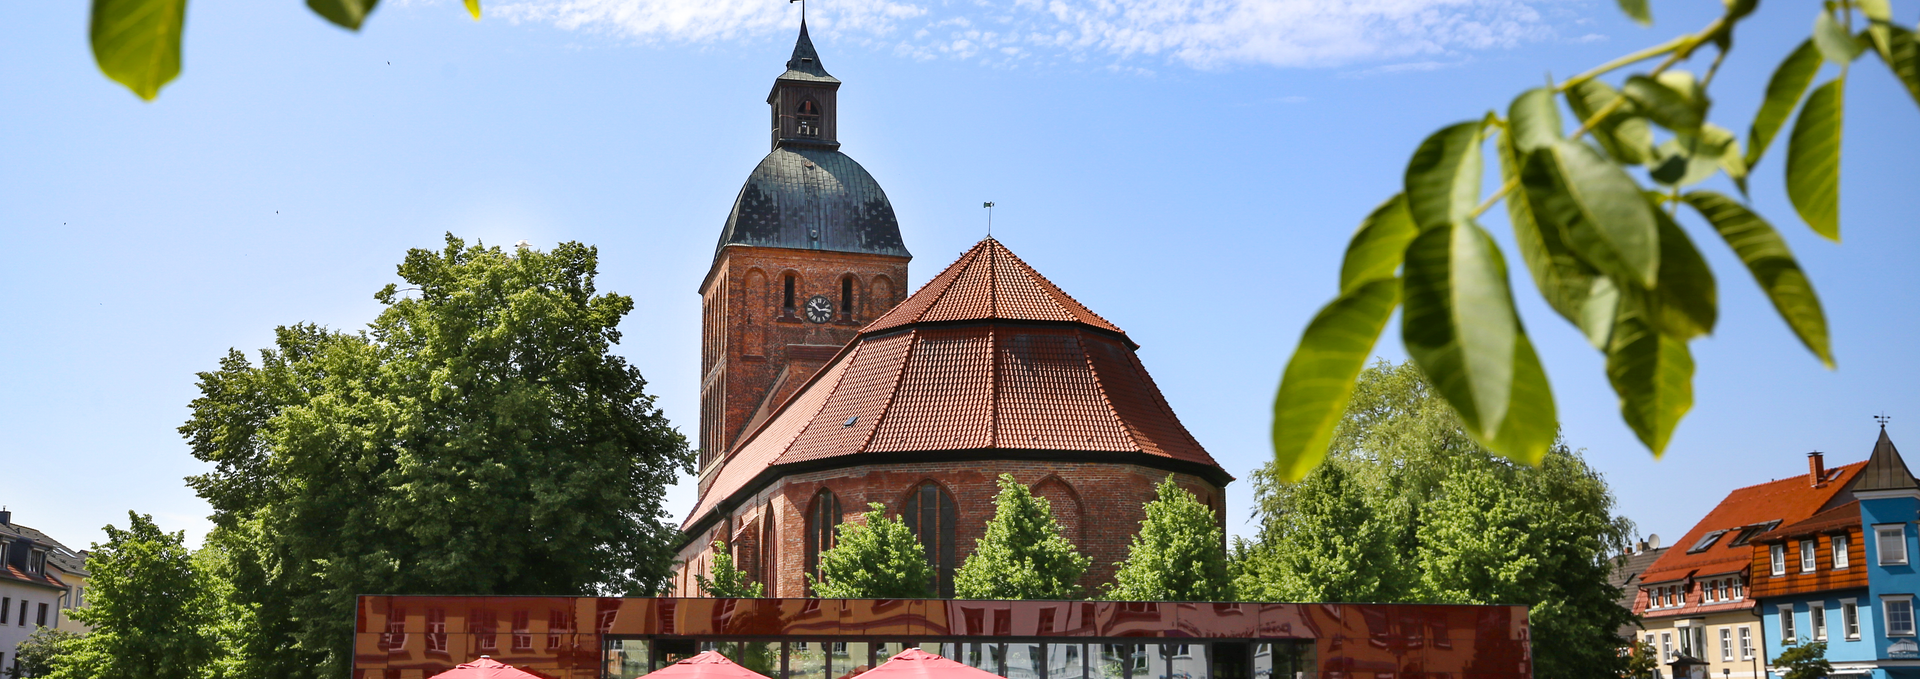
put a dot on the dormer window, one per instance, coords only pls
(807, 117)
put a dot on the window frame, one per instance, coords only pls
(1666, 646)
(1777, 559)
(1842, 547)
(1850, 619)
(1726, 644)
(1746, 642)
(1817, 619)
(1809, 555)
(1788, 634)
(1880, 533)
(1886, 613)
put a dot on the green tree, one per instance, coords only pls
(1642, 661)
(1332, 548)
(1178, 555)
(1804, 661)
(478, 438)
(37, 656)
(1024, 555)
(1608, 253)
(728, 582)
(876, 558)
(148, 606)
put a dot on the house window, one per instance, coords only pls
(1806, 554)
(1739, 591)
(1720, 591)
(1818, 616)
(1840, 545)
(1899, 610)
(1779, 553)
(1850, 619)
(6, 604)
(1666, 647)
(1726, 644)
(1786, 624)
(1746, 643)
(1650, 640)
(822, 516)
(40, 615)
(1892, 541)
(931, 513)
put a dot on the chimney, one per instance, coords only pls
(6, 518)
(1816, 468)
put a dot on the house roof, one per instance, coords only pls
(1785, 501)
(9, 572)
(1832, 520)
(1885, 470)
(61, 556)
(1626, 576)
(987, 361)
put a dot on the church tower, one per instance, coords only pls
(810, 252)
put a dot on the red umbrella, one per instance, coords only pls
(708, 665)
(488, 668)
(914, 663)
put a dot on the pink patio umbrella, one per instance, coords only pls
(914, 663)
(488, 668)
(708, 665)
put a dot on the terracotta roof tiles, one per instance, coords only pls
(989, 283)
(1787, 500)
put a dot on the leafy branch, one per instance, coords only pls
(1605, 250)
(137, 42)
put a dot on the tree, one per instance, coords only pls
(477, 438)
(1023, 555)
(1408, 508)
(1607, 253)
(148, 606)
(728, 582)
(1642, 661)
(1804, 661)
(37, 656)
(1178, 555)
(875, 558)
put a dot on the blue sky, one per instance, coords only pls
(1189, 169)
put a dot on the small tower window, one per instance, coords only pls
(846, 297)
(808, 119)
(789, 303)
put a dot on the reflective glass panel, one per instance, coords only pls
(1188, 661)
(806, 660)
(760, 656)
(626, 658)
(1023, 661)
(980, 656)
(1264, 661)
(1110, 663)
(1066, 661)
(849, 658)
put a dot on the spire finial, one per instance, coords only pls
(1882, 419)
(803, 12)
(989, 207)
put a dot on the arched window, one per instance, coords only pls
(808, 118)
(822, 516)
(788, 305)
(769, 552)
(931, 513)
(846, 298)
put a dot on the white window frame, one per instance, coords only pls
(1887, 604)
(1726, 644)
(1881, 531)
(1817, 617)
(1778, 551)
(1842, 544)
(1739, 589)
(1850, 619)
(1666, 647)
(1746, 642)
(1788, 634)
(1808, 548)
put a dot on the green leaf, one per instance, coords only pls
(1531, 424)
(1692, 158)
(473, 7)
(1378, 246)
(1790, 80)
(1651, 372)
(1876, 10)
(137, 42)
(1597, 207)
(1666, 106)
(1443, 177)
(1901, 52)
(1534, 120)
(1688, 300)
(347, 14)
(1813, 160)
(1459, 323)
(1765, 253)
(1319, 378)
(1624, 133)
(1836, 43)
(1638, 11)
(1573, 288)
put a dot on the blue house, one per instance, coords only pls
(1846, 575)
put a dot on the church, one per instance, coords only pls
(825, 387)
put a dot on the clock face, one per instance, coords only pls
(819, 309)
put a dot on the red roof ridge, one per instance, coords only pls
(968, 291)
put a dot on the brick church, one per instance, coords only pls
(824, 386)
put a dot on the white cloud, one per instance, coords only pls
(1195, 33)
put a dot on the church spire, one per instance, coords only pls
(805, 63)
(803, 100)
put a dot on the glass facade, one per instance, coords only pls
(626, 638)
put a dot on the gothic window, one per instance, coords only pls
(931, 513)
(769, 556)
(822, 515)
(846, 298)
(808, 118)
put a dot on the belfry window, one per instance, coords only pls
(931, 513)
(822, 516)
(807, 117)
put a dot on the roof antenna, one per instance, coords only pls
(989, 207)
(1882, 419)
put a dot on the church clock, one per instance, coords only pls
(819, 309)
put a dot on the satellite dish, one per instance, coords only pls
(1653, 541)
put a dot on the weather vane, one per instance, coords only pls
(803, 9)
(989, 207)
(1882, 419)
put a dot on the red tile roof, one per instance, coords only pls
(1789, 500)
(942, 373)
(1843, 516)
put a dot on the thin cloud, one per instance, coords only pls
(1204, 34)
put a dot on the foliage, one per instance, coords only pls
(1804, 661)
(875, 558)
(1023, 555)
(36, 656)
(137, 42)
(1409, 509)
(1178, 554)
(148, 606)
(478, 438)
(728, 582)
(1642, 661)
(1608, 253)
